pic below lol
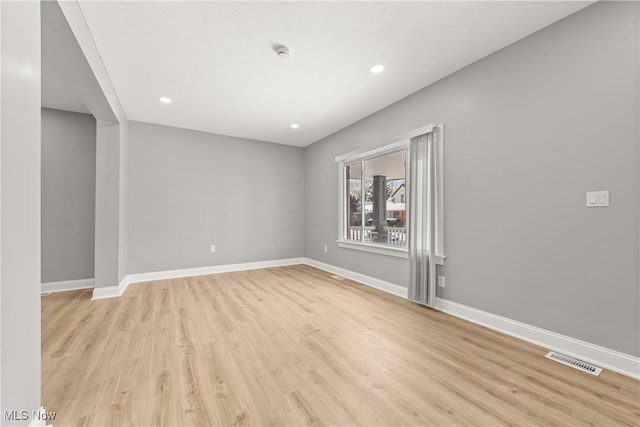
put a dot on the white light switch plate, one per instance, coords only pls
(597, 198)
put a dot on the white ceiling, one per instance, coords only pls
(56, 90)
(215, 59)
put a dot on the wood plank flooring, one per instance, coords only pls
(293, 346)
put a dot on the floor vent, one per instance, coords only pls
(574, 363)
(335, 276)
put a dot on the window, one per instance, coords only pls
(373, 200)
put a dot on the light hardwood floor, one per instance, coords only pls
(295, 346)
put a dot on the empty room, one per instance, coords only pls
(336, 213)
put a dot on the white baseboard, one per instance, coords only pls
(214, 269)
(382, 285)
(111, 291)
(116, 291)
(66, 285)
(615, 361)
(612, 360)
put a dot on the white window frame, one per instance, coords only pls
(402, 142)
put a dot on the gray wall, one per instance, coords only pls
(20, 207)
(68, 195)
(528, 130)
(67, 40)
(123, 210)
(107, 204)
(189, 190)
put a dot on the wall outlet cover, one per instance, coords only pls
(597, 199)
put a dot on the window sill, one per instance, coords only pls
(377, 249)
(383, 250)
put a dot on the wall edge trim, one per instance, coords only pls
(606, 358)
(111, 291)
(116, 291)
(379, 284)
(66, 285)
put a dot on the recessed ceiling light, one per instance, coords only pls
(295, 126)
(165, 100)
(377, 69)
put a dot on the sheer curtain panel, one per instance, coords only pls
(424, 212)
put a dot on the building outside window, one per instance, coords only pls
(374, 199)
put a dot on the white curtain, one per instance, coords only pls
(424, 211)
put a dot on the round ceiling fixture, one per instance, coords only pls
(377, 69)
(282, 51)
(165, 100)
(294, 126)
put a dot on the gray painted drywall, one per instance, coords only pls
(20, 208)
(68, 195)
(528, 130)
(60, 42)
(189, 190)
(67, 40)
(107, 214)
(123, 191)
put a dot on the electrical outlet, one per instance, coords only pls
(325, 248)
(441, 282)
(213, 248)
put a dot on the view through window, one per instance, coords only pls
(376, 200)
